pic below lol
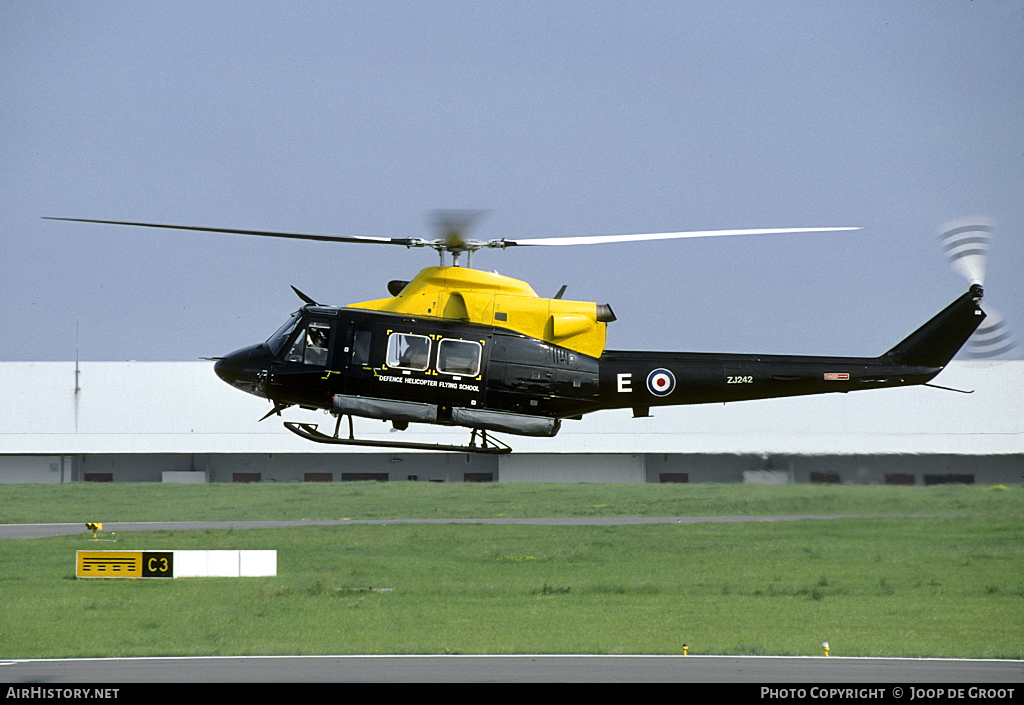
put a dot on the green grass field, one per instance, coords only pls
(920, 572)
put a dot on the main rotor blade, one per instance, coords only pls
(407, 242)
(604, 239)
(454, 241)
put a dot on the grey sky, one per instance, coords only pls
(568, 118)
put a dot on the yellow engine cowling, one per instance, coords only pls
(491, 299)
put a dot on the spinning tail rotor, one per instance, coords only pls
(966, 244)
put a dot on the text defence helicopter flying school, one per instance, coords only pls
(461, 347)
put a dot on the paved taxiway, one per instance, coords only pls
(539, 668)
(24, 531)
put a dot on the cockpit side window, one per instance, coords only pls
(311, 345)
(318, 338)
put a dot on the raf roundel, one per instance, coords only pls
(660, 382)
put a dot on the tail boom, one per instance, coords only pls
(641, 380)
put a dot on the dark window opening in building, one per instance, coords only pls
(950, 479)
(364, 476)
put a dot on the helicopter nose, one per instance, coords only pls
(226, 369)
(244, 369)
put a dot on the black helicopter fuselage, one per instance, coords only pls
(461, 347)
(406, 369)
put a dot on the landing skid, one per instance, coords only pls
(487, 445)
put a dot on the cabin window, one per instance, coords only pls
(311, 345)
(361, 347)
(408, 352)
(458, 357)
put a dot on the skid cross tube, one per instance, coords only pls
(490, 445)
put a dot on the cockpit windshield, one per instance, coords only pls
(277, 340)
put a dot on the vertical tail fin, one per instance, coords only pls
(936, 342)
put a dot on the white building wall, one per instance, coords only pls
(171, 413)
(40, 469)
(590, 467)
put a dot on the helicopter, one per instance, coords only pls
(456, 346)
